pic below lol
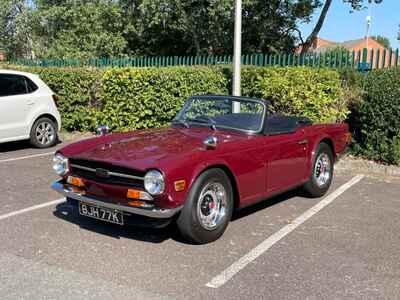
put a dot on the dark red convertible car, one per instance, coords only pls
(220, 154)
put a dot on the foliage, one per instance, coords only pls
(379, 115)
(383, 40)
(151, 97)
(310, 92)
(79, 29)
(15, 36)
(104, 28)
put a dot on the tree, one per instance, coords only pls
(106, 28)
(206, 27)
(78, 29)
(15, 33)
(354, 4)
(384, 41)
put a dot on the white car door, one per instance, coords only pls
(15, 105)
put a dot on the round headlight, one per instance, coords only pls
(154, 182)
(60, 164)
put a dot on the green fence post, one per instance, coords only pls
(371, 58)
(340, 62)
(289, 59)
(390, 57)
(396, 59)
(364, 57)
(358, 58)
(260, 59)
(284, 58)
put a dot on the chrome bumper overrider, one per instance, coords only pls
(158, 213)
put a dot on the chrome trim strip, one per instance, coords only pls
(110, 173)
(157, 213)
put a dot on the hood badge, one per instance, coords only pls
(211, 142)
(103, 173)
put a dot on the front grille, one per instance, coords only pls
(86, 169)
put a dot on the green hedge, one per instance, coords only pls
(143, 98)
(378, 116)
(132, 98)
(310, 92)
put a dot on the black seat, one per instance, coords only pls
(279, 124)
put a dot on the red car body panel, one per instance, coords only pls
(259, 165)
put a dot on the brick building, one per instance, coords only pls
(322, 46)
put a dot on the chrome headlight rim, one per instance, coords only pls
(60, 164)
(154, 182)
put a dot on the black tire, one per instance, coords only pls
(313, 188)
(189, 224)
(48, 128)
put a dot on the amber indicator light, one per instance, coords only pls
(137, 203)
(75, 181)
(180, 185)
(133, 194)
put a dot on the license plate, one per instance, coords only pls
(101, 213)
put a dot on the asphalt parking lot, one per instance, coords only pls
(345, 245)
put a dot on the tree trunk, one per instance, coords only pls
(306, 46)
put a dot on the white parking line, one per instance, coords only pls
(25, 157)
(228, 273)
(28, 209)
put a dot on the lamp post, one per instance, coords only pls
(237, 53)
(237, 48)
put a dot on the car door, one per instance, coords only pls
(286, 160)
(15, 105)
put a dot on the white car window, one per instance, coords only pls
(11, 85)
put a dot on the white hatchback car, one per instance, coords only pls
(27, 109)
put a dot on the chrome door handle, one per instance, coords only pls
(302, 142)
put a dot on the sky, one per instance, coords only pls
(341, 25)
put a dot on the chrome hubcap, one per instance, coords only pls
(45, 133)
(211, 207)
(322, 170)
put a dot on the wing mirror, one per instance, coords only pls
(103, 130)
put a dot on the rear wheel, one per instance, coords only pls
(208, 208)
(322, 172)
(43, 133)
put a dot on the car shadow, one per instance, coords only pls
(20, 145)
(70, 214)
(263, 204)
(14, 146)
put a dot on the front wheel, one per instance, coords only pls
(43, 133)
(322, 172)
(208, 208)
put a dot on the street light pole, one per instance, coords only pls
(237, 48)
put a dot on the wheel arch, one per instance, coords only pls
(232, 179)
(45, 115)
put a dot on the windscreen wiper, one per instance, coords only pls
(206, 120)
(183, 122)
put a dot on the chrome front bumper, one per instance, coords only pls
(157, 213)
